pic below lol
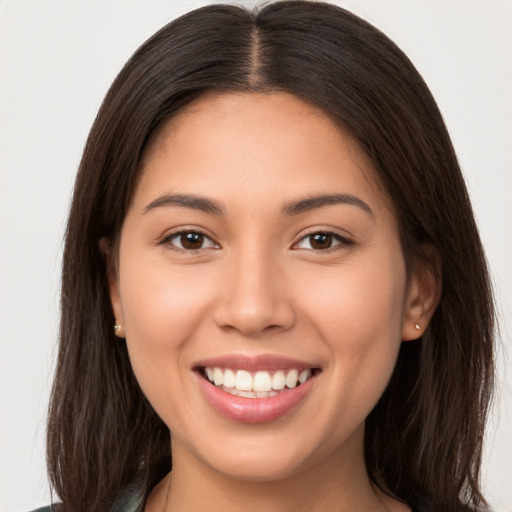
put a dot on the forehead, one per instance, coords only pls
(232, 109)
(267, 140)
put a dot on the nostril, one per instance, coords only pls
(251, 321)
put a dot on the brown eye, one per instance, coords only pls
(190, 241)
(322, 241)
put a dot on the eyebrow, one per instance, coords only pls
(289, 209)
(188, 201)
(313, 203)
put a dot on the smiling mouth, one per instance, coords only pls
(259, 384)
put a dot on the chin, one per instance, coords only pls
(260, 466)
(271, 455)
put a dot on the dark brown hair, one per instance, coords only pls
(424, 438)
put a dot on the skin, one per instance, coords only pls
(258, 285)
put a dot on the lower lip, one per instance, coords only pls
(254, 410)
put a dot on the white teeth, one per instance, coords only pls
(278, 380)
(231, 391)
(291, 378)
(243, 381)
(262, 381)
(229, 378)
(218, 376)
(261, 384)
(304, 375)
(247, 394)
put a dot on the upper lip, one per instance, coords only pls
(265, 362)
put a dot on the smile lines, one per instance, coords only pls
(261, 384)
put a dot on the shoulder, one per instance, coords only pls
(130, 500)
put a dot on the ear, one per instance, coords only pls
(423, 294)
(110, 259)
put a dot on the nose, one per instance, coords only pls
(254, 298)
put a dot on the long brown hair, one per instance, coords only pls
(424, 438)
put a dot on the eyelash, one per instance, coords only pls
(342, 242)
(178, 234)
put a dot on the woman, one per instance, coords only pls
(267, 257)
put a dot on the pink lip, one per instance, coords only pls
(266, 362)
(253, 410)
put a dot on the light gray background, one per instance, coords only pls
(57, 59)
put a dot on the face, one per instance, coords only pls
(260, 253)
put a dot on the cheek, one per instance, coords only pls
(358, 311)
(358, 299)
(161, 311)
(159, 300)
